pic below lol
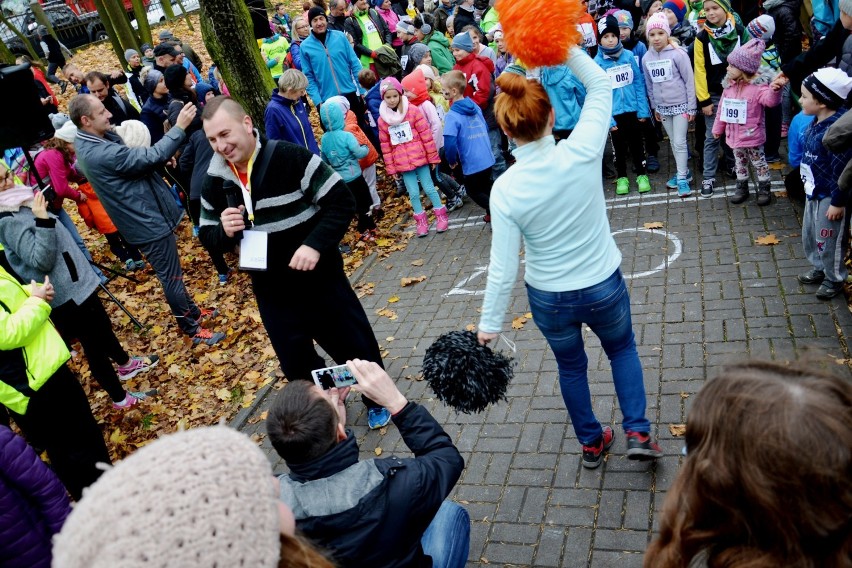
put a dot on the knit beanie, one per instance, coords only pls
(462, 41)
(202, 497)
(151, 80)
(377, 3)
(678, 7)
(134, 133)
(763, 27)
(166, 35)
(417, 52)
(428, 71)
(846, 7)
(624, 19)
(830, 85)
(58, 119)
(128, 53)
(175, 76)
(746, 57)
(646, 5)
(404, 27)
(145, 47)
(67, 132)
(724, 4)
(608, 25)
(201, 90)
(314, 12)
(390, 83)
(516, 69)
(658, 21)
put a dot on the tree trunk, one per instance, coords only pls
(141, 14)
(166, 5)
(30, 49)
(229, 36)
(121, 25)
(6, 55)
(110, 31)
(41, 18)
(186, 16)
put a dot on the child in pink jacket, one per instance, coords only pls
(409, 151)
(740, 117)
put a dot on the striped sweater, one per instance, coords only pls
(300, 201)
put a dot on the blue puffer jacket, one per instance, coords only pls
(331, 68)
(340, 148)
(287, 120)
(566, 93)
(631, 97)
(33, 505)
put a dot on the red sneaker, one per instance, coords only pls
(593, 454)
(640, 446)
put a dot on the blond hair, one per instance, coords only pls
(292, 80)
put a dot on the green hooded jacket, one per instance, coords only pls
(439, 47)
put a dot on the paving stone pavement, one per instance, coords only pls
(703, 294)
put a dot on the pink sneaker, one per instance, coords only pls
(443, 222)
(132, 398)
(422, 224)
(137, 365)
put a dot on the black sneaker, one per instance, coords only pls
(652, 164)
(593, 455)
(812, 277)
(707, 187)
(828, 289)
(640, 446)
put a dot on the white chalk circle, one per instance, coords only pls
(673, 238)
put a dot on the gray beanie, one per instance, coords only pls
(462, 41)
(201, 497)
(58, 119)
(151, 79)
(418, 51)
(846, 7)
(128, 53)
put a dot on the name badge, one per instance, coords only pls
(253, 250)
(620, 76)
(734, 111)
(660, 70)
(807, 178)
(400, 134)
(370, 27)
(587, 30)
(403, 61)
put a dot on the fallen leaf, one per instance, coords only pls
(117, 437)
(684, 395)
(174, 370)
(264, 414)
(677, 429)
(391, 338)
(484, 560)
(408, 281)
(470, 327)
(776, 166)
(393, 299)
(654, 225)
(224, 394)
(390, 314)
(769, 239)
(518, 323)
(418, 262)
(378, 451)
(384, 242)
(528, 315)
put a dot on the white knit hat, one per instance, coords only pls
(67, 132)
(203, 497)
(846, 7)
(134, 133)
(762, 27)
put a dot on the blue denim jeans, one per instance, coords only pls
(447, 538)
(605, 308)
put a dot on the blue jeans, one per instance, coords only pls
(447, 538)
(605, 308)
(497, 149)
(424, 174)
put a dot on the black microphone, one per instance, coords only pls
(234, 200)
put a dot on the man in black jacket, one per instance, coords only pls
(99, 85)
(379, 512)
(365, 19)
(337, 15)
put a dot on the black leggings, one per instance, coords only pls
(90, 323)
(478, 187)
(628, 136)
(215, 255)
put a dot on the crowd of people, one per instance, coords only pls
(429, 90)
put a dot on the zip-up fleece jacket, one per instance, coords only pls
(753, 133)
(466, 138)
(374, 512)
(33, 504)
(826, 166)
(408, 156)
(287, 120)
(566, 93)
(478, 72)
(331, 68)
(31, 350)
(681, 89)
(630, 98)
(122, 176)
(709, 76)
(340, 149)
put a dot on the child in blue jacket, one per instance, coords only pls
(567, 94)
(341, 150)
(368, 80)
(629, 105)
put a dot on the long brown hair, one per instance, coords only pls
(296, 552)
(522, 108)
(767, 479)
(62, 146)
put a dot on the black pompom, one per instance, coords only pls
(464, 374)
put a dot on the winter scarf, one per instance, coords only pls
(12, 199)
(725, 38)
(394, 117)
(612, 52)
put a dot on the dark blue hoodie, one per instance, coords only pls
(287, 120)
(466, 137)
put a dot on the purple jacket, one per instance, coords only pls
(753, 133)
(33, 505)
(680, 90)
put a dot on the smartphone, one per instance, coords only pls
(330, 377)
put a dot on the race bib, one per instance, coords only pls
(587, 30)
(660, 71)
(620, 76)
(403, 61)
(400, 134)
(734, 111)
(370, 27)
(253, 250)
(807, 178)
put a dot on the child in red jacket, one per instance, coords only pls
(96, 217)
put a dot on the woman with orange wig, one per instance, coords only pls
(553, 198)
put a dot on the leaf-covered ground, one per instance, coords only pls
(197, 384)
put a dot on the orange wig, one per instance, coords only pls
(523, 23)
